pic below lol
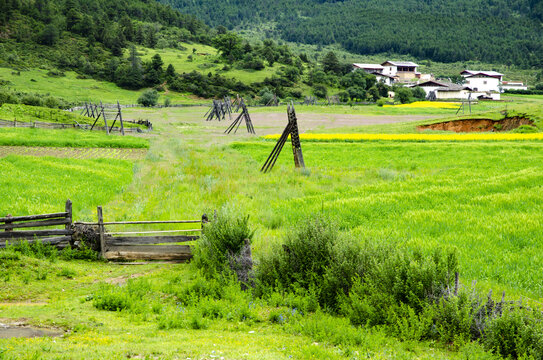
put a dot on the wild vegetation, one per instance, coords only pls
(437, 30)
(470, 208)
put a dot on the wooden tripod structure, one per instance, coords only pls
(219, 109)
(243, 116)
(462, 107)
(292, 130)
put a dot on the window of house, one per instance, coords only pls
(484, 82)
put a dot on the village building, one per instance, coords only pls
(513, 85)
(440, 90)
(404, 70)
(377, 70)
(483, 81)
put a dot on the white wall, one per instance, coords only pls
(384, 79)
(483, 83)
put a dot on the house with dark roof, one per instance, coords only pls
(438, 90)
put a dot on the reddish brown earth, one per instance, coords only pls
(478, 125)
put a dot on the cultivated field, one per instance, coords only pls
(481, 199)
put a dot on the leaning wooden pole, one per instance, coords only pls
(101, 229)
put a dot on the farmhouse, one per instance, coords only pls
(405, 71)
(513, 85)
(483, 81)
(377, 70)
(438, 90)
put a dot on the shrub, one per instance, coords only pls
(148, 98)
(517, 333)
(381, 102)
(224, 246)
(167, 102)
(320, 91)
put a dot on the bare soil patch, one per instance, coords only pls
(20, 329)
(270, 123)
(75, 153)
(478, 125)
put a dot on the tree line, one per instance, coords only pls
(495, 31)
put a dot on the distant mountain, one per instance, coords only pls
(496, 31)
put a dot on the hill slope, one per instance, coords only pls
(499, 31)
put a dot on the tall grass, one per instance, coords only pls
(40, 185)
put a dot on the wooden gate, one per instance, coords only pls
(148, 245)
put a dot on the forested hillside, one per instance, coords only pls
(498, 31)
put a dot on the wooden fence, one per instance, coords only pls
(143, 245)
(46, 125)
(114, 245)
(61, 238)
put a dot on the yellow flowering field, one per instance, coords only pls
(427, 104)
(417, 137)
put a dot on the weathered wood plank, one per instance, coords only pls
(34, 217)
(149, 252)
(36, 224)
(60, 240)
(152, 232)
(143, 240)
(102, 230)
(153, 222)
(32, 233)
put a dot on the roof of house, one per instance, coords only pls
(444, 86)
(400, 63)
(383, 75)
(484, 73)
(369, 66)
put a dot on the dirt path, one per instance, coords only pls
(76, 153)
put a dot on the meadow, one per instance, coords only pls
(68, 138)
(480, 199)
(78, 90)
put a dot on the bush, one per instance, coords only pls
(517, 334)
(224, 246)
(167, 102)
(148, 98)
(381, 102)
(320, 91)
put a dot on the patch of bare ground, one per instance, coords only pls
(75, 153)
(269, 123)
(478, 125)
(19, 328)
(121, 280)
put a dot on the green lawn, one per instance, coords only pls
(32, 185)
(77, 90)
(68, 137)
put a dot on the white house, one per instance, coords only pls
(483, 81)
(377, 70)
(404, 70)
(369, 68)
(513, 85)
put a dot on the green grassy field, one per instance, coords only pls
(34, 185)
(68, 137)
(481, 198)
(77, 90)
(205, 59)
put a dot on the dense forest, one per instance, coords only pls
(495, 31)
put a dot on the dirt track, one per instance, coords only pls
(274, 122)
(76, 153)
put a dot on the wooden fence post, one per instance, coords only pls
(101, 229)
(7, 222)
(69, 217)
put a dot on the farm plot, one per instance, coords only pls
(33, 185)
(74, 153)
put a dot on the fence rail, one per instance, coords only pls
(45, 125)
(114, 245)
(59, 237)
